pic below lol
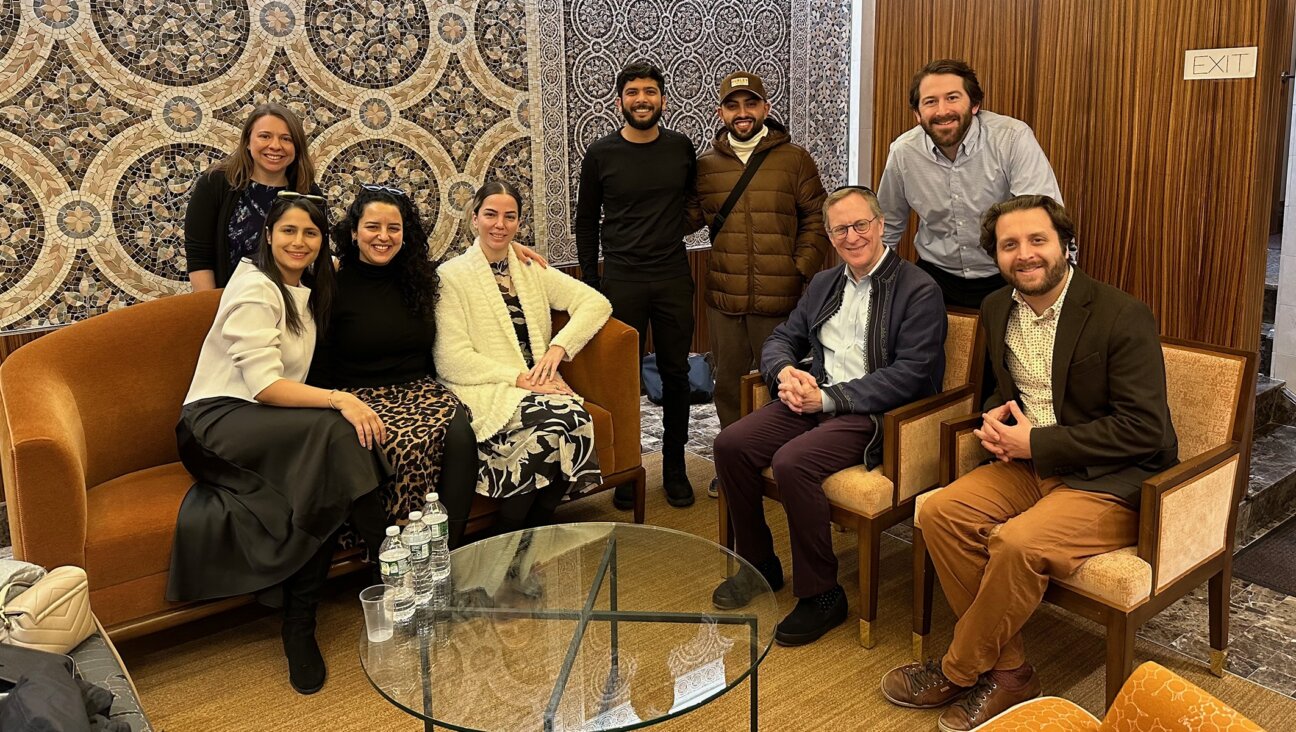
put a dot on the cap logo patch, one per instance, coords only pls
(739, 81)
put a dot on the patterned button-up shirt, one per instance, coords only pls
(1030, 339)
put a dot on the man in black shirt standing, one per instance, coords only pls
(638, 179)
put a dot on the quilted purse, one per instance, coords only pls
(53, 614)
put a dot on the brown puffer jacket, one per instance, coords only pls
(773, 241)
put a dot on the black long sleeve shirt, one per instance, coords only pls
(640, 191)
(373, 338)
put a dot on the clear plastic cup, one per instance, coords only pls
(377, 613)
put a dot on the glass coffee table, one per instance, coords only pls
(592, 626)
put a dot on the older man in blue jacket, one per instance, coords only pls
(873, 331)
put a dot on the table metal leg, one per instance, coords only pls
(754, 712)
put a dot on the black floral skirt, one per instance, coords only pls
(550, 439)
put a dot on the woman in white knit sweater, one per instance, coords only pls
(496, 351)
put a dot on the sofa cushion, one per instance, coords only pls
(1043, 714)
(132, 524)
(857, 489)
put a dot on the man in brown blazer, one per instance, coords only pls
(1079, 419)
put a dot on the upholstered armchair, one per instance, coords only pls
(90, 466)
(871, 501)
(1187, 513)
(1154, 698)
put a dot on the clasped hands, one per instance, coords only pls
(1006, 441)
(799, 391)
(544, 377)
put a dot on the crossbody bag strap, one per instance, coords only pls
(753, 163)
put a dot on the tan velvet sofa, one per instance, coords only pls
(90, 467)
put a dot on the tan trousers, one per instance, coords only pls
(995, 581)
(736, 342)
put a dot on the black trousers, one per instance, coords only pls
(967, 293)
(666, 306)
(961, 292)
(458, 483)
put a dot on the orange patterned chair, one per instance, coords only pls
(871, 501)
(1152, 699)
(1186, 517)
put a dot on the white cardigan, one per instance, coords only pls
(249, 346)
(477, 353)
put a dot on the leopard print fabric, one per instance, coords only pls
(417, 415)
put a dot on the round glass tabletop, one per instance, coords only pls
(591, 626)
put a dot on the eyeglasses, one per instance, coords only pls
(384, 189)
(861, 228)
(294, 195)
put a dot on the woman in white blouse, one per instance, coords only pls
(280, 465)
(496, 351)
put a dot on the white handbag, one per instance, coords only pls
(52, 614)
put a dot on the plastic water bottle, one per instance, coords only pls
(442, 589)
(418, 539)
(394, 565)
(438, 522)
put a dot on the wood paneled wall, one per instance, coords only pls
(1169, 180)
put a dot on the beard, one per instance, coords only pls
(648, 124)
(1053, 275)
(951, 138)
(757, 126)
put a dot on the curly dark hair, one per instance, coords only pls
(948, 66)
(418, 277)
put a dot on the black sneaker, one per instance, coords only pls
(623, 497)
(738, 590)
(679, 491)
(713, 490)
(812, 617)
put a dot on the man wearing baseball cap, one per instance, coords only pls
(768, 243)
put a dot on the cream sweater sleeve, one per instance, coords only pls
(588, 308)
(457, 360)
(252, 336)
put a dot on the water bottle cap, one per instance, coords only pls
(393, 531)
(416, 515)
(432, 497)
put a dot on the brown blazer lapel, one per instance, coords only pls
(1075, 311)
(994, 314)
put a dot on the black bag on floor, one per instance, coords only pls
(701, 379)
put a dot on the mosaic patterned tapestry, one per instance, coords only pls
(108, 111)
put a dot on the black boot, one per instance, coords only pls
(738, 590)
(679, 491)
(812, 617)
(302, 593)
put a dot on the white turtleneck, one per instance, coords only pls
(744, 150)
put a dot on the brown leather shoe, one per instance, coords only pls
(987, 700)
(920, 686)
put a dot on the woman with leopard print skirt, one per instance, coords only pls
(378, 346)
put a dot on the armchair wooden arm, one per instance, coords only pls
(960, 451)
(917, 428)
(1184, 513)
(752, 393)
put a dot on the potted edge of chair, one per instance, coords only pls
(91, 470)
(1187, 513)
(871, 501)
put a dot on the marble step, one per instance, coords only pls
(1274, 402)
(1271, 486)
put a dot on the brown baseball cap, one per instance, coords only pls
(742, 81)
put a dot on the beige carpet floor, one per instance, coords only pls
(229, 673)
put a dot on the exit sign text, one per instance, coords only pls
(1220, 63)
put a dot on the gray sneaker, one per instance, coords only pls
(713, 490)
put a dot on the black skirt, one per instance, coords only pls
(273, 484)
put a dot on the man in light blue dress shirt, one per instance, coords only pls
(958, 162)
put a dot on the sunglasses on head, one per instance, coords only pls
(294, 195)
(384, 189)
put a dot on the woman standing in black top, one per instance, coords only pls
(228, 204)
(378, 346)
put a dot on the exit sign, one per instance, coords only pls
(1220, 63)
